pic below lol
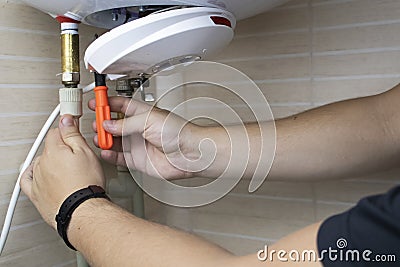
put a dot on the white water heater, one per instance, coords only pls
(147, 36)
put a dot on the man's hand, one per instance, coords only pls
(66, 165)
(161, 143)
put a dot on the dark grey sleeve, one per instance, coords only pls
(366, 235)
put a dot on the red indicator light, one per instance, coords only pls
(221, 21)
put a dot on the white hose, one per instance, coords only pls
(32, 152)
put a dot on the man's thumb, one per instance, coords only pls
(70, 132)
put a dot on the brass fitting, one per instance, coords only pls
(70, 54)
(70, 95)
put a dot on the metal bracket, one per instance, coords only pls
(127, 87)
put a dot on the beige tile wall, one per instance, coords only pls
(301, 55)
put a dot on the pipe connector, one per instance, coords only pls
(70, 54)
(71, 101)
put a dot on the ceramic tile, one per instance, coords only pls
(27, 18)
(25, 212)
(348, 191)
(263, 207)
(332, 91)
(356, 64)
(28, 237)
(275, 21)
(279, 44)
(326, 210)
(47, 254)
(255, 227)
(359, 11)
(362, 38)
(25, 100)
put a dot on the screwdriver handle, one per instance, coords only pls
(103, 113)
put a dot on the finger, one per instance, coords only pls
(94, 126)
(92, 104)
(26, 181)
(127, 126)
(96, 140)
(122, 104)
(113, 157)
(127, 106)
(70, 133)
(117, 104)
(117, 144)
(53, 140)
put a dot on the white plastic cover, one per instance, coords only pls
(154, 42)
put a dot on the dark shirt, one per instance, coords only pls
(366, 235)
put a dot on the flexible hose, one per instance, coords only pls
(32, 152)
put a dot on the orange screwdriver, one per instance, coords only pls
(102, 111)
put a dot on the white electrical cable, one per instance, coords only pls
(17, 188)
(89, 88)
(32, 152)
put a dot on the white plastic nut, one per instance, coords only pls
(71, 101)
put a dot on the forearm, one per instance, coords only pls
(339, 140)
(109, 236)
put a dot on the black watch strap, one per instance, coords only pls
(71, 203)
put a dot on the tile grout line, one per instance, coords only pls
(29, 59)
(64, 263)
(356, 77)
(291, 7)
(8, 172)
(17, 254)
(332, 2)
(20, 30)
(6, 202)
(25, 225)
(356, 25)
(320, 29)
(368, 181)
(329, 202)
(243, 36)
(295, 199)
(358, 51)
(201, 231)
(16, 142)
(29, 86)
(23, 114)
(315, 54)
(278, 56)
